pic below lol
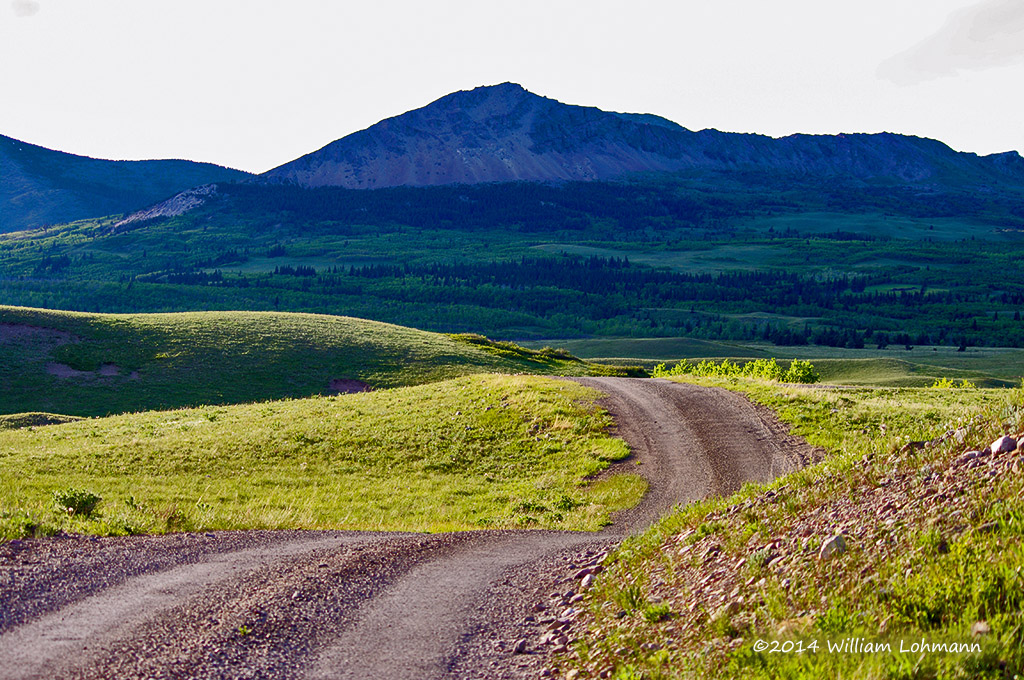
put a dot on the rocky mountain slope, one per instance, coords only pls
(504, 133)
(39, 186)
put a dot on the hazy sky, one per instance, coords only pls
(255, 83)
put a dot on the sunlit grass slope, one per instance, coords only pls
(98, 364)
(474, 452)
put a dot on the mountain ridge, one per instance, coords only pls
(502, 133)
(41, 186)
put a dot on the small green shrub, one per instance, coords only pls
(631, 598)
(654, 613)
(801, 372)
(76, 501)
(950, 384)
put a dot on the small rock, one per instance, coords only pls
(539, 607)
(966, 458)
(980, 628)
(1004, 444)
(912, 446)
(621, 614)
(587, 581)
(520, 646)
(572, 675)
(836, 544)
(575, 598)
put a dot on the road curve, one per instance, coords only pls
(352, 604)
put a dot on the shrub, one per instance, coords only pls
(801, 372)
(763, 369)
(950, 384)
(76, 501)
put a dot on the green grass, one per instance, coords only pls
(135, 362)
(922, 568)
(474, 452)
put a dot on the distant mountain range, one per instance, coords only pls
(504, 133)
(500, 133)
(39, 186)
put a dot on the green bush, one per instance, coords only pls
(801, 372)
(950, 384)
(764, 369)
(76, 501)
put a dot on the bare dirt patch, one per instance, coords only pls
(105, 371)
(15, 332)
(347, 386)
(108, 370)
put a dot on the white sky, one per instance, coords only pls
(255, 83)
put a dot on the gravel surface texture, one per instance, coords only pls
(293, 604)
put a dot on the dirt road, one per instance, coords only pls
(361, 605)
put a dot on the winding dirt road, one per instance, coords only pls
(354, 604)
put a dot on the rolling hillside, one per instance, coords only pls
(97, 364)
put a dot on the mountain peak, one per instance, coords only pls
(486, 100)
(504, 133)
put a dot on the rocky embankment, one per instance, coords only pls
(704, 596)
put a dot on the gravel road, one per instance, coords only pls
(358, 604)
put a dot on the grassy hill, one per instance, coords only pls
(96, 364)
(474, 452)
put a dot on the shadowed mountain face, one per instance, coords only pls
(504, 133)
(39, 186)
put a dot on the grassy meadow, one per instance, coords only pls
(933, 551)
(473, 452)
(99, 364)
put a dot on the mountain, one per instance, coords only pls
(39, 186)
(504, 133)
